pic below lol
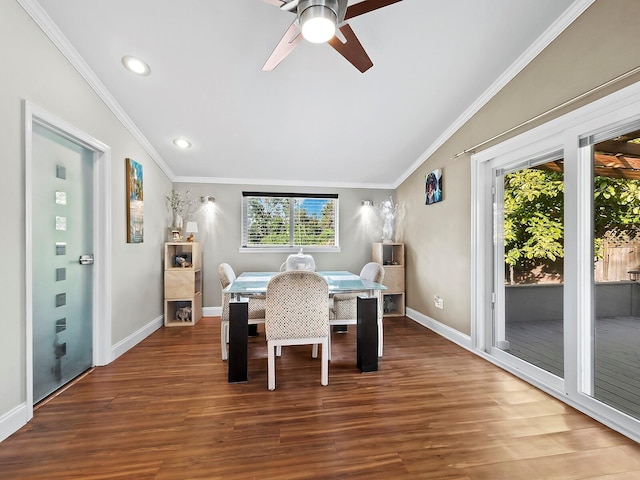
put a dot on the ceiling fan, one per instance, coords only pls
(317, 21)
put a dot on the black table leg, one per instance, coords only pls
(238, 333)
(367, 336)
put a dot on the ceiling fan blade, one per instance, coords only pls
(352, 49)
(288, 6)
(286, 45)
(367, 6)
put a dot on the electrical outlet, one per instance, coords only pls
(438, 302)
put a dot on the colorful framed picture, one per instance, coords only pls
(135, 202)
(433, 187)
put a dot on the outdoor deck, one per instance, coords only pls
(617, 365)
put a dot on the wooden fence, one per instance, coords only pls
(618, 259)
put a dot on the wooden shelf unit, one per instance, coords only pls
(182, 284)
(391, 257)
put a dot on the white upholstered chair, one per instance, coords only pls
(300, 261)
(345, 307)
(297, 313)
(256, 307)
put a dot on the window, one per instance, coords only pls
(289, 220)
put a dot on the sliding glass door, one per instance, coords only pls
(528, 228)
(615, 320)
(556, 258)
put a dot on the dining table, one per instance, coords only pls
(254, 283)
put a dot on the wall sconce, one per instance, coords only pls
(207, 199)
(367, 203)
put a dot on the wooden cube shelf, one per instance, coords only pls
(182, 283)
(391, 257)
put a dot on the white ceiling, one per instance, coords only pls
(314, 120)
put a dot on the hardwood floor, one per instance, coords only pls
(433, 411)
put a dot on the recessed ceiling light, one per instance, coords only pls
(181, 142)
(136, 65)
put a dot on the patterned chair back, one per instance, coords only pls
(297, 306)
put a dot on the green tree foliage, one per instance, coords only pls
(617, 206)
(534, 210)
(533, 218)
(311, 229)
(269, 219)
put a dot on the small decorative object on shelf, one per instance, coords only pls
(192, 227)
(387, 211)
(183, 314)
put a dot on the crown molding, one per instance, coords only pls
(50, 29)
(282, 183)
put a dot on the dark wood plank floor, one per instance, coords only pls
(617, 362)
(433, 411)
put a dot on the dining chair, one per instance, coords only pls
(300, 261)
(297, 313)
(256, 307)
(345, 305)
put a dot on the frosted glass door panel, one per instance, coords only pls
(62, 225)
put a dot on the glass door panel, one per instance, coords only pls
(615, 325)
(529, 253)
(62, 225)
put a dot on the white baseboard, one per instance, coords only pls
(211, 311)
(135, 338)
(440, 328)
(12, 421)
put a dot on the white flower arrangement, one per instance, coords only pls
(179, 203)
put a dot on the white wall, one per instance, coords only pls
(33, 69)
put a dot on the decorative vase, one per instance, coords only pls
(177, 221)
(175, 230)
(387, 231)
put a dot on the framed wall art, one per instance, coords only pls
(433, 187)
(135, 202)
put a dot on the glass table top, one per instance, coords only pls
(339, 282)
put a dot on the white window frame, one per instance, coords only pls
(291, 247)
(616, 110)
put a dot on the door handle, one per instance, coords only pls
(86, 259)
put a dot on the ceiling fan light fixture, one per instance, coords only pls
(318, 20)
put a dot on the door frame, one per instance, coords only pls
(33, 114)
